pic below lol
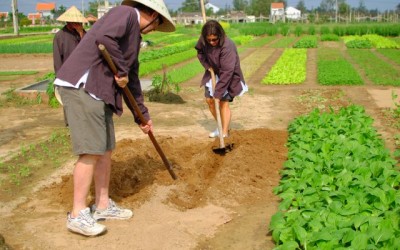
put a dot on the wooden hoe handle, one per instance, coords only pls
(132, 101)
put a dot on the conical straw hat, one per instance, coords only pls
(72, 15)
(159, 6)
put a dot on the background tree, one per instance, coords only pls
(191, 6)
(260, 7)
(59, 11)
(344, 8)
(240, 5)
(93, 6)
(398, 8)
(361, 7)
(301, 6)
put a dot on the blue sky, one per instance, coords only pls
(28, 6)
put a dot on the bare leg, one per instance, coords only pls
(83, 175)
(211, 107)
(225, 116)
(102, 174)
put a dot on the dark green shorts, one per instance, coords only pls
(90, 122)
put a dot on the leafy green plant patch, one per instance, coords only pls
(339, 187)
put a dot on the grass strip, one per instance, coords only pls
(289, 69)
(393, 54)
(377, 70)
(283, 42)
(254, 61)
(333, 69)
(13, 73)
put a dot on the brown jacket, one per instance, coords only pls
(64, 42)
(226, 64)
(119, 32)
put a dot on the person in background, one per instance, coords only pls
(91, 94)
(66, 40)
(215, 50)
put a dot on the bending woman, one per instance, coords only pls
(216, 51)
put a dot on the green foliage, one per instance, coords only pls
(242, 40)
(289, 69)
(186, 72)
(329, 37)
(359, 44)
(311, 30)
(164, 85)
(27, 44)
(260, 42)
(31, 159)
(284, 30)
(339, 186)
(283, 42)
(369, 41)
(392, 54)
(306, 42)
(14, 99)
(53, 102)
(334, 69)
(376, 69)
(324, 30)
(298, 31)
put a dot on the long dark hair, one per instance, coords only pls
(212, 27)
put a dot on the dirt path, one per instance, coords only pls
(218, 202)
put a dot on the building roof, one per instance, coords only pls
(45, 6)
(277, 6)
(34, 16)
(91, 18)
(3, 14)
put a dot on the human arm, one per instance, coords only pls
(120, 25)
(201, 55)
(57, 52)
(228, 58)
(135, 90)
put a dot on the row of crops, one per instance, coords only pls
(339, 186)
(334, 66)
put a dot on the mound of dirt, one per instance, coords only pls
(208, 189)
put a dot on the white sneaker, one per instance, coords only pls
(85, 224)
(214, 134)
(111, 212)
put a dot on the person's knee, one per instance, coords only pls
(210, 102)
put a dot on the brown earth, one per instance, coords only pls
(217, 202)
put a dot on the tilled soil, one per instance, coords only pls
(217, 202)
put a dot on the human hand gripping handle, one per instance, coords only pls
(217, 114)
(146, 126)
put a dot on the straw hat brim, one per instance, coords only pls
(158, 6)
(72, 15)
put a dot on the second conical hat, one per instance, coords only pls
(72, 15)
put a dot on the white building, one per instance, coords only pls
(214, 8)
(293, 13)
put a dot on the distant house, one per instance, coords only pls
(237, 16)
(45, 9)
(214, 8)
(103, 9)
(35, 17)
(4, 16)
(92, 19)
(277, 12)
(293, 13)
(189, 18)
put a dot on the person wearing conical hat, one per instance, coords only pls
(66, 40)
(91, 94)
